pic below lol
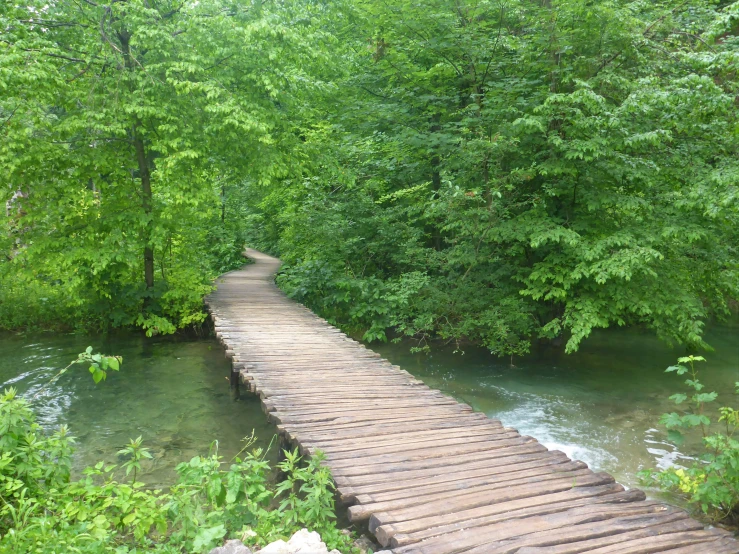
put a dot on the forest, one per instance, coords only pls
(507, 177)
(503, 172)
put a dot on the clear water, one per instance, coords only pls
(174, 393)
(600, 405)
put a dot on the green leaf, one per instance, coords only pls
(694, 420)
(678, 398)
(671, 420)
(705, 397)
(680, 369)
(694, 383)
(675, 437)
(207, 537)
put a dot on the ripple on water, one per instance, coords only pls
(600, 405)
(173, 393)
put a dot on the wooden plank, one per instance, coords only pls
(431, 475)
(413, 437)
(408, 532)
(711, 544)
(481, 493)
(569, 526)
(538, 474)
(344, 453)
(430, 454)
(439, 462)
(454, 474)
(525, 496)
(408, 475)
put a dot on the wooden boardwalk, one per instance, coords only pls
(427, 473)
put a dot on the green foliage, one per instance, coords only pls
(99, 365)
(712, 483)
(502, 172)
(43, 510)
(524, 171)
(127, 129)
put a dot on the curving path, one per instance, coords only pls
(427, 473)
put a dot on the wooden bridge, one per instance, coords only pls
(427, 473)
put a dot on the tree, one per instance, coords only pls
(528, 171)
(126, 122)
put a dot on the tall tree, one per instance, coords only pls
(526, 171)
(125, 121)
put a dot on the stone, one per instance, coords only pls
(364, 544)
(277, 547)
(231, 547)
(302, 542)
(306, 542)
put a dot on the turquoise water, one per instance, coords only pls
(174, 393)
(600, 405)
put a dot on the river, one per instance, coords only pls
(600, 405)
(174, 393)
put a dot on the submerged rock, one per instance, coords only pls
(231, 547)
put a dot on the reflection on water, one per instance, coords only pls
(173, 393)
(600, 405)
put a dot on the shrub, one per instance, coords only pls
(43, 510)
(710, 484)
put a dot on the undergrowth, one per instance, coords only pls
(43, 510)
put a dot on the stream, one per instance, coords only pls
(174, 393)
(600, 405)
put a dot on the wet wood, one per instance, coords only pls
(427, 473)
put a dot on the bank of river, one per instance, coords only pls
(600, 405)
(172, 392)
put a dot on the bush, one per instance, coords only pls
(42, 510)
(711, 484)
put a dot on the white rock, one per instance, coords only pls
(231, 547)
(302, 542)
(277, 547)
(306, 542)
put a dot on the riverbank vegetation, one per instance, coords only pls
(503, 172)
(108, 509)
(711, 483)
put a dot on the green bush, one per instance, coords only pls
(42, 510)
(710, 484)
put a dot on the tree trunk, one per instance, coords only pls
(146, 204)
(146, 197)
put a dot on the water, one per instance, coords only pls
(174, 393)
(600, 405)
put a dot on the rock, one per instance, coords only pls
(231, 547)
(302, 542)
(364, 544)
(277, 547)
(306, 542)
